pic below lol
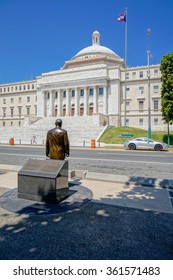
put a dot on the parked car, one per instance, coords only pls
(145, 143)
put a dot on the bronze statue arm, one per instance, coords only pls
(47, 146)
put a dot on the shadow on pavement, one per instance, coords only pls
(95, 231)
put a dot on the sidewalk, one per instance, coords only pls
(156, 195)
(121, 220)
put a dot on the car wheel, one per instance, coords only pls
(132, 146)
(158, 147)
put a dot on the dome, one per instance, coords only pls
(95, 50)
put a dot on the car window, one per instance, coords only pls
(145, 140)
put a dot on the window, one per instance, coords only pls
(156, 104)
(155, 89)
(4, 101)
(28, 86)
(24, 87)
(3, 123)
(28, 110)
(127, 76)
(12, 112)
(73, 93)
(4, 89)
(101, 91)
(127, 90)
(20, 111)
(11, 123)
(28, 99)
(141, 105)
(11, 88)
(12, 100)
(4, 112)
(20, 88)
(8, 89)
(19, 123)
(32, 86)
(91, 92)
(20, 99)
(56, 95)
(0, 89)
(127, 122)
(127, 105)
(141, 122)
(15, 87)
(156, 72)
(155, 121)
(81, 92)
(141, 90)
(133, 75)
(141, 74)
(64, 94)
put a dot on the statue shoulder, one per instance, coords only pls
(50, 131)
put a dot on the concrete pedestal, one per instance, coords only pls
(43, 180)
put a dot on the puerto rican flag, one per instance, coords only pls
(122, 17)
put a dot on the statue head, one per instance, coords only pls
(58, 122)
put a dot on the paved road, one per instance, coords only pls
(130, 163)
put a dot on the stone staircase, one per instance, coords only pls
(81, 129)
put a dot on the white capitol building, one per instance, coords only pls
(91, 83)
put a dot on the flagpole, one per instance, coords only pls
(125, 90)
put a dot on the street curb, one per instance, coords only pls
(137, 180)
(88, 175)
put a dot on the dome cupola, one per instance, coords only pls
(96, 38)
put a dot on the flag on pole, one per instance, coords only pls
(122, 17)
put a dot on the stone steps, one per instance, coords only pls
(79, 129)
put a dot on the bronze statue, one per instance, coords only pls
(57, 143)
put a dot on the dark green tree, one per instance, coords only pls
(166, 68)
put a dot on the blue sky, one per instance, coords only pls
(38, 36)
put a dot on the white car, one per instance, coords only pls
(145, 143)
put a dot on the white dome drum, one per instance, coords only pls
(96, 49)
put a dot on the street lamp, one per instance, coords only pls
(148, 75)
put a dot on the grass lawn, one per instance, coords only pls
(111, 135)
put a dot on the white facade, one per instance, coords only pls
(92, 82)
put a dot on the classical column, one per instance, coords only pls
(105, 99)
(51, 103)
(40, 103)
(67, 102)
(76, 112)
(95, 99)
(44, 103)
(86, 102)
(59, 102)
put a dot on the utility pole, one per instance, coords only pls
(148, 75)
(125, 86)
